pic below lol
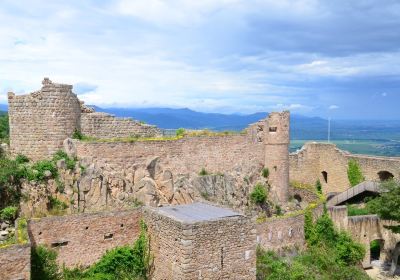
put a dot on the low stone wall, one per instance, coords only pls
(186, 155)
(15, 262)
(81, 239)
(281, 233)
(104, 126)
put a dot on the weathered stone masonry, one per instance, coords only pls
(40, 121)
(315, 159)
(82, 239)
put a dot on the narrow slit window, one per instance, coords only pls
(59, 244)
(273, 129)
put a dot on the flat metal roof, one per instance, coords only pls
(196, 212)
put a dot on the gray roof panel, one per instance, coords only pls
(196, 212)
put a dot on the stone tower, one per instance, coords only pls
(40, 121)
(277, 154)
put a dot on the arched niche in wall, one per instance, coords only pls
(385, 175)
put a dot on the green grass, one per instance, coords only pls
(353, 210)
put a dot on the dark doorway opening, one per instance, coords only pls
(325, 176)
(385, 176)
(376, 247)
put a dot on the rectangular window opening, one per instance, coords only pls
(273, 129)
(108, 236)
(59, 244)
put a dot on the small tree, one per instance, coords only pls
(354, 173)
(259, 194)
(387, 205)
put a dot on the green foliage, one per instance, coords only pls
(259, 194)
(9, 213)
(77, 135)
(38, 169)
(70, 162)
(56, 204)
(278, 210)
(265, 172)
(354, 173)
(353, 210)
(313, 264)
(203, 172)
(318, 186)
(22, 227)
(323, 234)
(4, 128)
(387, 205)
(180, 132)
(375, 247)
(20, 159)
(44, 265)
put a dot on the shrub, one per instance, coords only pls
(44, 265)
(355, 211)
(354, 173)
(265, 172)
(70, 162)
(318, 186)
(259, 194)
(20, 159)
(9, 213)
(38, 170)
(77, 135)
(56, 204)
(203, 172)
(180, 132)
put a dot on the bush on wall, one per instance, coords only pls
(354, 173)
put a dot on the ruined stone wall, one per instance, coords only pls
(371, 165)
(365, 229)
(81, 239)
(40, 121)
(186, 155)
(103, 125)
(15, 262)
(220, 249)
(307, 165)
(281, 233)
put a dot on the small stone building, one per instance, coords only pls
(201, 241)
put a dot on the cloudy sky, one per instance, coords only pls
(317, 58)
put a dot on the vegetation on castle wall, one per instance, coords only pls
(387, 205)
(318, 186)
(354, 173)
(259, 194)
(126, 262)
(330, 255)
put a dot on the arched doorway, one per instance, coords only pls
(385, 175)
(325, 176)
(376, 247)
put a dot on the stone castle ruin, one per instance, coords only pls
(191, 238)
(41, 120)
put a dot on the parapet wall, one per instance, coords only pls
(104, 126)
(40, 121)
(186, 155)
(80, 240)
(281, 233)
(308, 165)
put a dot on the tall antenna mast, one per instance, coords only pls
(329, 130)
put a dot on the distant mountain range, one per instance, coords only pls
(301, 127)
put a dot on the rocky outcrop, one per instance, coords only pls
(93, 186)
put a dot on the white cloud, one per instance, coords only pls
(333, 107)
